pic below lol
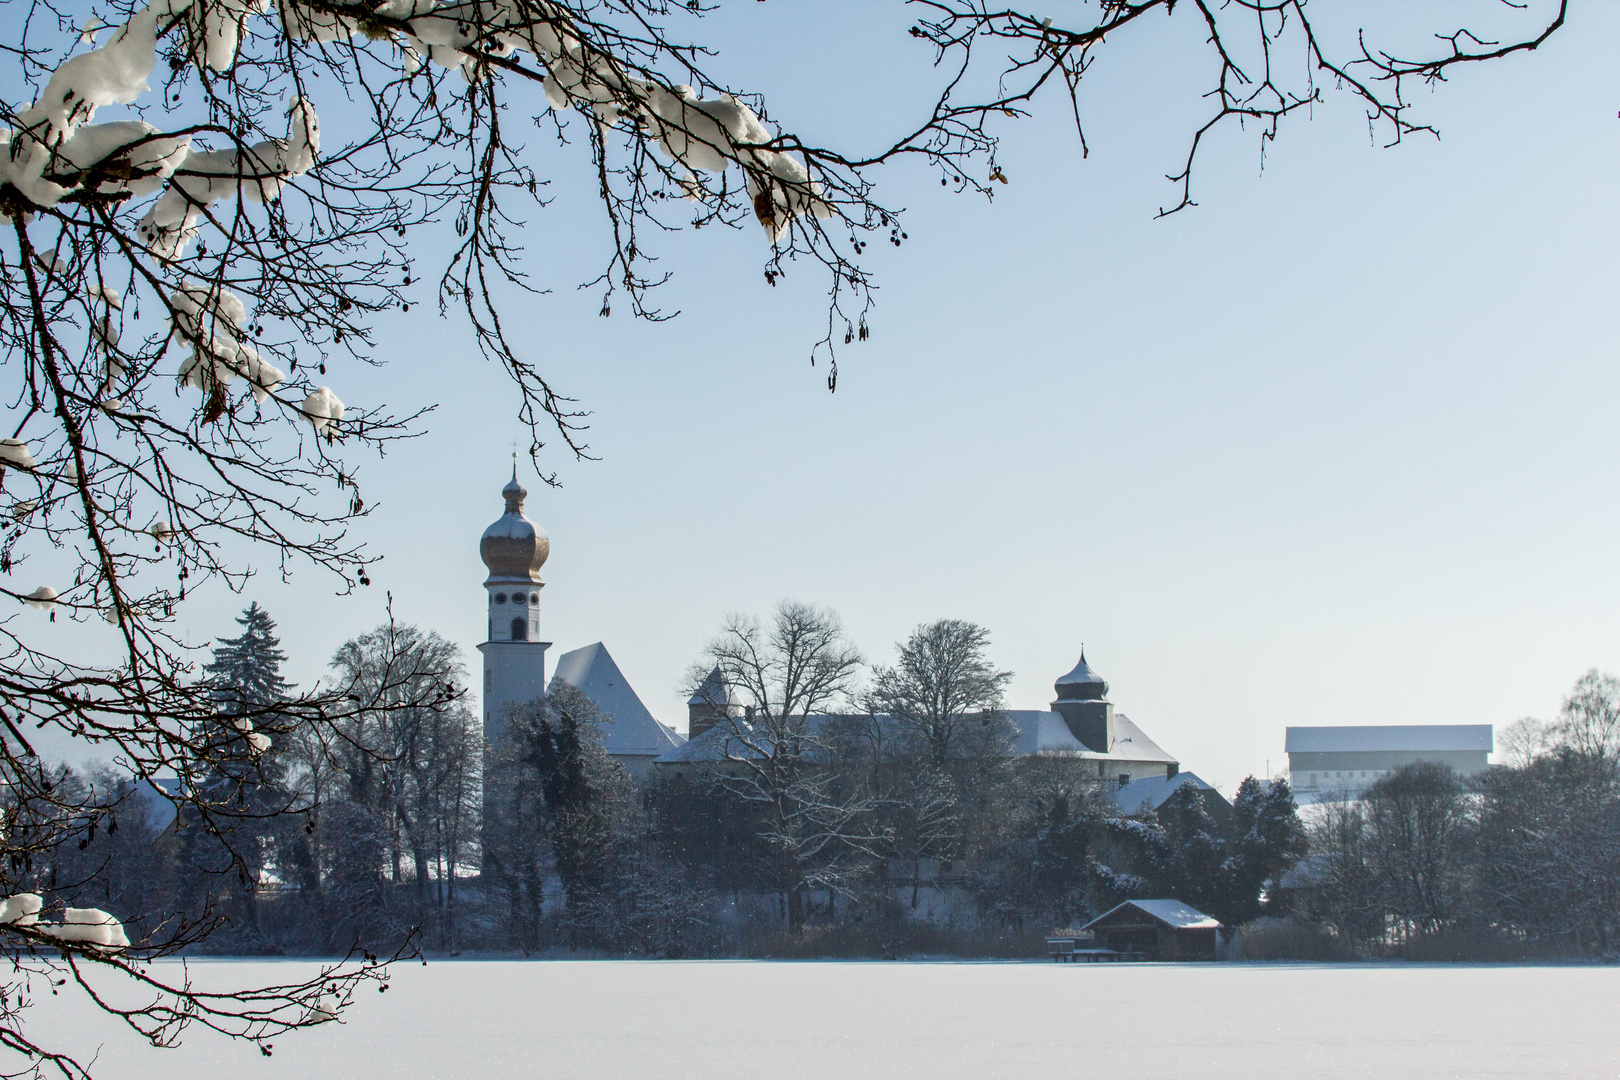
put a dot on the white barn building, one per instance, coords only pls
(1324, 761)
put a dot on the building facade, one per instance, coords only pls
(1325, 762)
(1080, 725)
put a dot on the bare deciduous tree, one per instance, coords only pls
(1346, 896)
(1268, 60)
(945, 759)
(1416, 818)
(1526, 739)
(944, 693)
(1589, 722)
(410, 750)
(777, 755)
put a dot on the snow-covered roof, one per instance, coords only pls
(1170, 912)
(1131, 744)
(153, 799)
(719, 743)
(1152, 791)
(1037, 731)
(733, 739)
(714, 692)
(1309, 871)
(631, 731)
(1043, 732)
(1083, 682)
(1388, 737)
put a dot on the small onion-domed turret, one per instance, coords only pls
(514, 548)
(1082, 684)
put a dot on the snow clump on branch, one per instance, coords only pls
(42, 598)
(21, 910)
(212, 321)
(322, 408)
(47, 138)
(15, 452)
(56, 149)
(257, 741)
(207, 176)
(702, 135)
(88, 926)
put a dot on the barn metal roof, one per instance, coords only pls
(1387, 737)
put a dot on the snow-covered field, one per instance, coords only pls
(842, 1021)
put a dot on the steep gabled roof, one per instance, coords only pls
(1153, 791)
(631, 730)
(1130, 743)
(714, 692)
(154, 800)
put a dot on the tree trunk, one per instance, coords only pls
(795, 911)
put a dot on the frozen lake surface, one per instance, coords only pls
(841, 1021)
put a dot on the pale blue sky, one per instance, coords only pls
(1337, 446)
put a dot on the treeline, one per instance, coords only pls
(1521, 860)
(834, 802)
(836, 809)
(356, 832)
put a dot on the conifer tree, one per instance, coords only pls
(1267, 839)
(220, 862)
(246, 670)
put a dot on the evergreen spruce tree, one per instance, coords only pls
(221, 861)
(245, 672)
(1267, 839)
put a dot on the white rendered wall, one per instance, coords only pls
(508, 603)
(514, 666)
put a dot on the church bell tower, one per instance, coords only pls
(1082, 700)
(513, 549)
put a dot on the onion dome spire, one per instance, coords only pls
(514, 548)
(1081, 684)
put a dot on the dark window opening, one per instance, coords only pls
(520, 630)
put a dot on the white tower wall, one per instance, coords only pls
(514, 673)
(514, 549)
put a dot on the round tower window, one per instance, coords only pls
(500, 598)
(534, 598)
